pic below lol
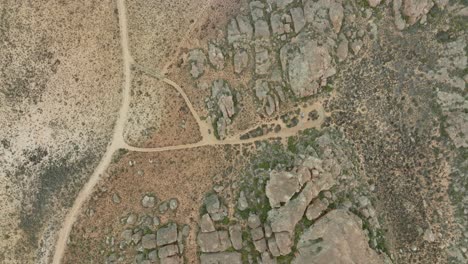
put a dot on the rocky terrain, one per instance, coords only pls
(249, 131)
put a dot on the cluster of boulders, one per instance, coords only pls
(299, 196)
(214, 244)
(145, 237)
(222, 106)
(270, 95)
(197, 61)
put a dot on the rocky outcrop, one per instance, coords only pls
(281, 187)
(306, 65)
(197, 62)
(224, 105)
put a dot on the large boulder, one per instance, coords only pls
(336, 236)
(285, 218)
(149, 241)
(306, 65)
(235, 233)
(281, 186)
(206, 224)
(167, 235)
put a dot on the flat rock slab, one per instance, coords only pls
(167, 235)
(337, 236)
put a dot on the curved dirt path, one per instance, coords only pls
(202, 126)
(116, 143)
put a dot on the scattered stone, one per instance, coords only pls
(374, 3)
(253, 221)
(281, 186)
(216, 56)
(245, 27)
(167, 251)
(257, 233)
(262, 61)
(116, 198)
(342, 50)
(167, 235)
(336, 13)
(222, 257)
(316, 209)
(242, 203)
(197, 61)
(224, 241)
(284, 243)
(233, 33)
(163, 207)
(273, 247)
(260, 245)
(356, 46)
(153, 256)
(277, 26)
(156, 221)
(241, 61)
(218, 188)
(235, 232)
(131, 219)
(209, 242)
(206, 224)
(214, 208)
(149, 241)
(126, 235)
(185, 230)
(429, 235)
(298, 19)
(363, 201)
(136, 237)
(173, 203)
(146, 220)
(148, 201)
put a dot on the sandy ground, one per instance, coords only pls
(59, 95)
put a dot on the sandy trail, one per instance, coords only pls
(118, 141)
(235, 140)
